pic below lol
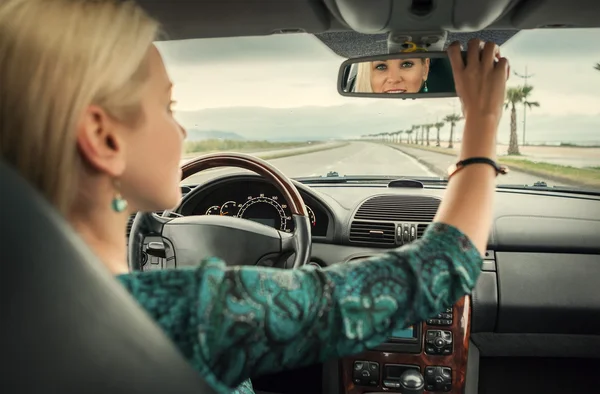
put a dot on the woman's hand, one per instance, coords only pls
(481, 83)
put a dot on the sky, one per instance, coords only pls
(284, 87)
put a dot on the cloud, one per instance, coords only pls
(285, 87)
(226, 51)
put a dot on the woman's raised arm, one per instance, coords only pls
(234, 323)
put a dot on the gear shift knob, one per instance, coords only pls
(412, 382)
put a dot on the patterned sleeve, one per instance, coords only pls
(239, 322)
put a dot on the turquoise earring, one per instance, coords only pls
(425, 89)
(118, 204)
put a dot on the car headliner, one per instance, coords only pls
(360, 27)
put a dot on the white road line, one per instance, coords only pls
(415, 161)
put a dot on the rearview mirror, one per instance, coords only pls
(399, 75)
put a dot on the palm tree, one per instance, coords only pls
(526, 92)
(428, 128)
(400, 136)
(514, 96)
(438, 126)
(424, 128)
(597, 66)
(453, 119)
(416, 128)
(408, 133)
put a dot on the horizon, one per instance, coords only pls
(252, 86)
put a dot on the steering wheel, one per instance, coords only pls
(189, 239)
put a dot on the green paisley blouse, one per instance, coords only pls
(234, 323)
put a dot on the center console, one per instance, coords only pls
(430, 357)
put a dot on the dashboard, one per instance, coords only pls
(543, 261)
(253, 199)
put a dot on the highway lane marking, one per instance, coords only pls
(416, 162)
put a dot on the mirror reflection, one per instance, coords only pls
(420, 74)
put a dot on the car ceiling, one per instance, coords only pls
(361, 27)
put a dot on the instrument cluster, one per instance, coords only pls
(259, 202)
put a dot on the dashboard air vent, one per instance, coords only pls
(373, 233)
(421, 230)
(398, 209)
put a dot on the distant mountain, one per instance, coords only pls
(315, 123)
(199, 135)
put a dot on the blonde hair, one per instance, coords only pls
(363, 78)
(57, 57)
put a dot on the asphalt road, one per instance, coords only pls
(367, 158)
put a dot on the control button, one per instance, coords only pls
(447, 372)
(366, 373)
(446, 316)
(438, 378)
(413, 232)
(449, 310)
(438, 342)
(444, 322)
(391, 384)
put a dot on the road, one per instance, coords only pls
(366, 158)
(308, 147)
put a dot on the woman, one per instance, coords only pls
(85, 116)
(393, 76)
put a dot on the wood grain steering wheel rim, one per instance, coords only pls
(254, 164)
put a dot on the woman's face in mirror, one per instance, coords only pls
(399, 75)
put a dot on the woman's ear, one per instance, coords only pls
(99, 142)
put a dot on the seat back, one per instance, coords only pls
(66, 325)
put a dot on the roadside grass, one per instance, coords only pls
(216, 145)
(302, 152)
(257, 146)
(587, 176)
(582, 176)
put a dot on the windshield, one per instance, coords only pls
(275, 97)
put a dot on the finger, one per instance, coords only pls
(455, 57)
(488, 55)
(503, 69)
(473, 51)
